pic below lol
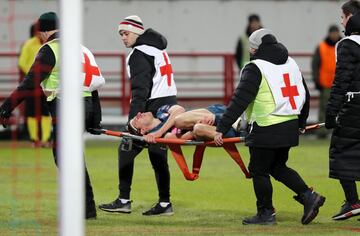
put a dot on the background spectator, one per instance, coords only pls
(323, 70)
(36, 112)
(242, 55)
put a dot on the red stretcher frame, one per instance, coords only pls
(174, 145)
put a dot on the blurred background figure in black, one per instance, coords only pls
(242, 55)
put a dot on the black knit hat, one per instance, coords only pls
(48, 22)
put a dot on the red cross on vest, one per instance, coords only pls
(289, 91)
(166, 69)
(89, 70)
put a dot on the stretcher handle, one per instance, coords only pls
(165, 140)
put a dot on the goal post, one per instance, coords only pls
(71, 121)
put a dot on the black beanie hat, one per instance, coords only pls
(48, 21)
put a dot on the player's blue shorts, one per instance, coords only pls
(218, 110)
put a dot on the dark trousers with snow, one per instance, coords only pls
(272, 161)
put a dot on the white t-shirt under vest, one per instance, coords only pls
(286, 85)
(163, 80)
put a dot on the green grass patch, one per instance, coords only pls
(215, 204)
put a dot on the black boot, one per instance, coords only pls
(312, 201)
(263, 217)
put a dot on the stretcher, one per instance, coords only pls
(174, 145)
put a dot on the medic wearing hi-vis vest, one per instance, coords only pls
(274, 95)
(91, 75)
(45, 73)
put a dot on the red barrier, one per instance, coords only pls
(117, 91)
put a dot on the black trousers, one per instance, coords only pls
(89, 195)
(158, 159)
(350, 190)
(272, 161)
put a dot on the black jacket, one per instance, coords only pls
(345, 141)
(142, 71)
(40, 70)
(280, 135)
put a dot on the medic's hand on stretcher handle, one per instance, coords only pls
(218, 139)
(151, 137)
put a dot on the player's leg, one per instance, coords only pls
(188, 119)
(204, 131)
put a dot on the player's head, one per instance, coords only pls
(130, 29)
(349, 9)
(259, 37)
(48, 25)
(141, 123)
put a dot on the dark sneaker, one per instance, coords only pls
(348, 210)
(263, 217)
(312, 201)
(116, 206)
(158, 210)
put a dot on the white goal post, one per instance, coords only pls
(70, 141)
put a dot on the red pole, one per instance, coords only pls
(228, 78)
(225, 78)
(124, 97)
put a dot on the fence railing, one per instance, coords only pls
(201, 78)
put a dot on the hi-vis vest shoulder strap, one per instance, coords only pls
(355, 38)
(92, 77)
(163, 80)
(286, 85)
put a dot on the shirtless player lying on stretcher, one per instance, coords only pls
(171, 121)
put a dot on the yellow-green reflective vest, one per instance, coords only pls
(260, 109)
(51, 85)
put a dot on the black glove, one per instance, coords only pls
(124, 128)
(4, 116)
(330, 121)
(95, 130)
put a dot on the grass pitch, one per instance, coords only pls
(212, 205)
